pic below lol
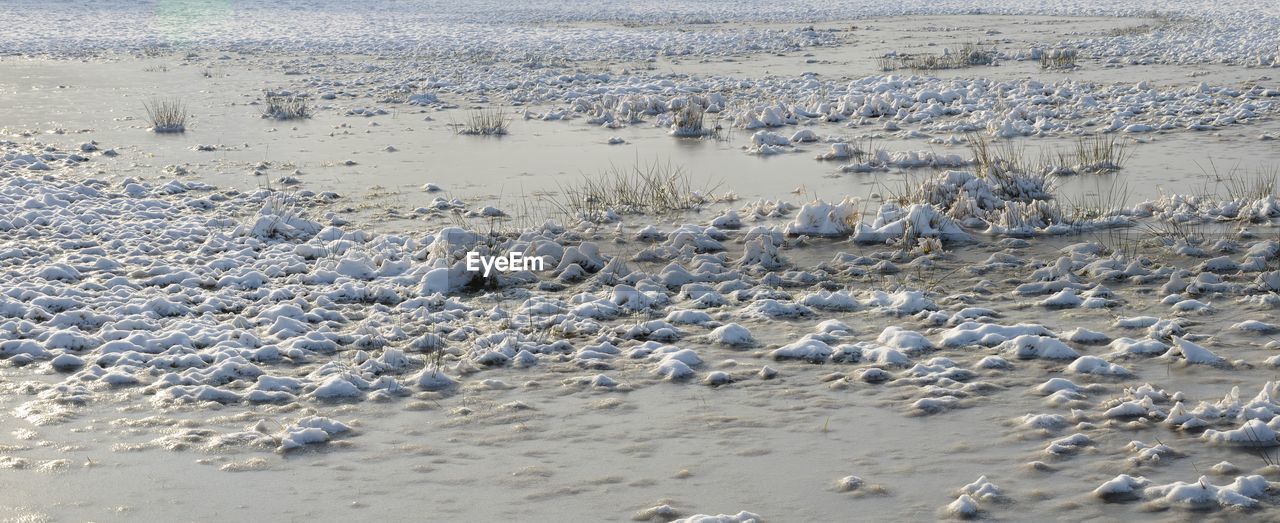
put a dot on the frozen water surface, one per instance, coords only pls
(271, 319)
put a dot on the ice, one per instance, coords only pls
(1096, 366)
(717, 378)
(433, 379)
(1256, 326)
(908, 341)
(308, 431)
(169, 290)
(809, 349)
(831, 301)
(989, 334)
(1042, 421)
(673, 369)
(337, 386)
(902, 302)
(848, 483)
(1121, 487)
(1144, 453)
(839, 151)
(823, 219)
(740, 517)
(1193, 353)
(732, 334)
(66, 362)
(662, 512)
(1065, 299)
(993, 362)
(1086, 336)
(1068, 445)
(1146, 347)
(771, 308)
(983, 490)
(1202, 494)
(1029, 346)
(963, 507)
(1253, 433)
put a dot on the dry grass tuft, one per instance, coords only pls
(1058, 59)
(653, 188)
(689, 121)
(166, 115)
(287, 107)
(1095, 154)
(490, 121)
(968, 55)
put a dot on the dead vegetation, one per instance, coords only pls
(688, 122)
(648, 188)
(1096, 154)
(1058, 59)
(487, 121)
(287, 107)
(166, 115)
(968, 55)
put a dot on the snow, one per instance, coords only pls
(66, 362)
(1145, 347)
(1028, 346)
(809, 349)
(983, 490)
(848, 483)
(963, 507)
(1121, 487)
(1042, 421)
(823, 219)
(1085, 336)
(732, 334)
(1068, 445)
(673, 369)
(906, 340)
(1192, 353)
(989, 334)
(433, 379)
(1202, 494)
(1256, 326)
(1253, 433)
(337, 386)
(1096, 366)
(900, 303)
(293, 438)
(717, 378)
(740, 517)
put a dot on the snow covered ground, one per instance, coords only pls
(912, 293)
